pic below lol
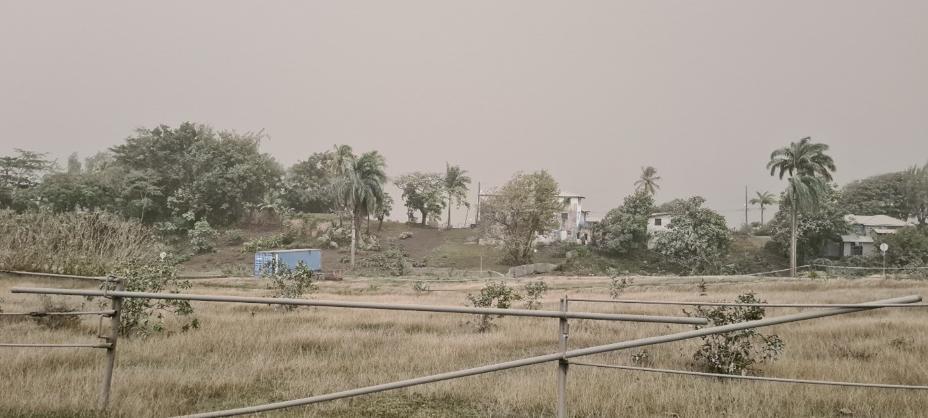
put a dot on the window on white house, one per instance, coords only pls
(657, 221)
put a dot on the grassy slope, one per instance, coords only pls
(251, 354)
(458, 249)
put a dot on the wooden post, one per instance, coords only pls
(111, 350)
(562, 364)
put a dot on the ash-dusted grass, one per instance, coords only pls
(251, 354)
(72, 243)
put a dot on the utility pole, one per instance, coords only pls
(745, 206)
(477, 215)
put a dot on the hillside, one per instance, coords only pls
(425, 246)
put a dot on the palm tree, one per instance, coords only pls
(456, 182)
(809, 169)
(648, 180)
(357, 185)
(763, 199)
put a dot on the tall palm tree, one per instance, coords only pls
(763, 199)
(357, 185)
(456, 185)
(648, 180)
(809, 170)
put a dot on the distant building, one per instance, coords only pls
(865, 230)
(571, 219)
(658, 222)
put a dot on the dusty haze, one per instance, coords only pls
(591, 91)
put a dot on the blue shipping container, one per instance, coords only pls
(290, 258)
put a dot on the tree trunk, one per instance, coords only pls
(379, 223)
(354, 235)
(449, 210)
(792, 243)
(368, 225)
(423, 217)
(761, 215)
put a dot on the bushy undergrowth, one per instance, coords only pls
(138, 316)
(494, 295)
(534, 291)
(290, 283)
(72, 243)
(203, 237)
(739, 351)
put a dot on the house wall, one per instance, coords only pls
(869, 249)
(664, 223)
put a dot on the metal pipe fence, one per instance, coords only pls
(560, 356)
(367, 305)
(753, 378)
(733, 304)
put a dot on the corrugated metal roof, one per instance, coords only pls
(875, 220)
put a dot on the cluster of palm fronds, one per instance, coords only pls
(72, 243)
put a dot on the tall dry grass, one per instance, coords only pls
(72, 243)
(252, 354)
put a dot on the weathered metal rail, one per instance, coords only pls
(734, 304)
(367, 305)
(559, 357)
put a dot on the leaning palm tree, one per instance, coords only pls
(763, 199)
(809, 170)
(357, 185)
(456, 185)
(648, 180)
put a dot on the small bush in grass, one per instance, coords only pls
(534, 291)
(233, 236)
(140, 317)
(735, 352)
(291, 283)
(270, 242)
(617, 285)
(702, 287)
(202, 237)
(493, 295)
(420, 287)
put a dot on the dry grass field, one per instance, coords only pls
(251, 354)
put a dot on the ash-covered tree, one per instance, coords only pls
(357, 184)
(823, 222)
(423, 193)
(20, 173)
(916, 194)
(883, 194)
(526, 206)
(625, 228)
(456, 185)
(307, 185)
(201, 174)
(696, 240)
(809, 169)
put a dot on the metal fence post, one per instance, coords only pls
(562, 364)
(111, 349)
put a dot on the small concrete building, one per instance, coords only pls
(865, 231)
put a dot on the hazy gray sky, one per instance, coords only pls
(592, 91)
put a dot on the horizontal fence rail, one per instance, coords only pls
(753, 378)
(763, 305)
(59, 276)
(558, 357)
(41, 314)
(368, 305)
(26, 345)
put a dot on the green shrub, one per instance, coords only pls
(233, 236)
(735, 352)
(202, 237)
(290, 283)
(494, 295)
(270, 242)
(534, 291)
(393, 260)
(145, 316)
